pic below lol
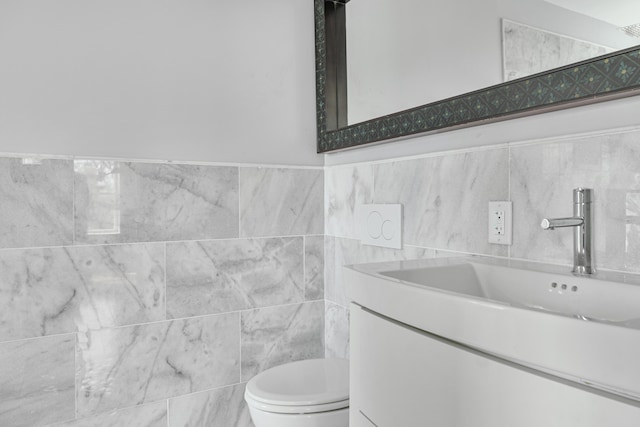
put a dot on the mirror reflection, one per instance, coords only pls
(405, 53)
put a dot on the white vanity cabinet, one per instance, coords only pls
(403, 377)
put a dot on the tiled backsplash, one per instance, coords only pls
(149, 293)
(128, 288)
(445, 198)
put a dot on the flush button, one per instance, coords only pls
(374, 225)
(380, 225)
(387, 230)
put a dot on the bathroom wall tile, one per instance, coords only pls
(281, 202)
(336, 331)
(314, 267)
(522, 43)
(276, 335)
(228, 275)
(133, 365)
(36, 203)
(150, 415)
(445, 198)
(224, 407)
(449, 254)
(340, 252)
(37, 381)
(141, 202)
(542, 179)
(346, 187)
(57, 290)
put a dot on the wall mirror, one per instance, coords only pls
(386, 69)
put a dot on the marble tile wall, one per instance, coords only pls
(148, 294)
(445, 199)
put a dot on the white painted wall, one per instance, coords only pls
(202, 80)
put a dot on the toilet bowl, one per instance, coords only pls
(308, 393)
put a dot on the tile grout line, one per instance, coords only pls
(239, 207)
(304, 268)
(373, 190)
(409, 245)
(39, 337)
(324, 328)
(193, 393)
(199, 316)
(155, 242)
(73, 204)
(525, 142)
(441, 153)
(325, 222)
(75, 372)
(165, 282)
(73, 157)
(324, 290)
(324, 286)
(240, 345)
(509, 197)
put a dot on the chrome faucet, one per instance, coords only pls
(581, 223)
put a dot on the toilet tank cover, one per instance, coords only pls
(307, 382)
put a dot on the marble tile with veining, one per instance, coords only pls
(528, 50)
(218, 276)
(336, 331)
(542, 181)
(128, 366)
(37, 381)
(446, 197)
(36, 203)
(281, 202)
(276, 335)
(313, 267)
(346, 187)
(340, 252)
(149, 415)
(145, 202)
(221, 407)
(58, 290)
(449, 254)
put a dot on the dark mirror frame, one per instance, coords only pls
(600, 79)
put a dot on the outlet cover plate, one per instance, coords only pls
(500, 222)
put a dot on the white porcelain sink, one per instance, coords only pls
(576, 296)
(586, 329)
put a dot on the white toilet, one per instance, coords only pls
(308, 393)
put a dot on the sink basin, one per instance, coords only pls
(585, 329)
(576, 296)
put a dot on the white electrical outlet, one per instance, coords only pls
(500, 222)
(380, 225)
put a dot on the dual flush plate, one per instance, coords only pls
(380, 225)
